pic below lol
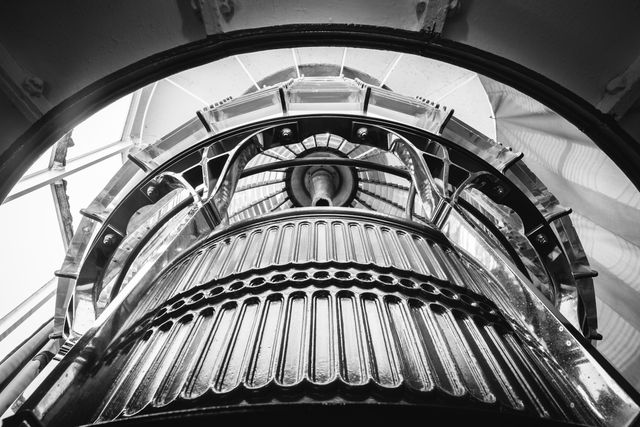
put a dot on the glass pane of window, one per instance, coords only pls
(40, 315)
(319, 55)
(262, 65)
(85, 185)
(103, 128)
(39, 165)
(32, 246)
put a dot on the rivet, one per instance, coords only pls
(109, 240)
(541, 239)
(152, 191)
(362, 133)
(286, 133)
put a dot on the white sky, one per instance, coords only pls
(33, 247)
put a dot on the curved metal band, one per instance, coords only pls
(410, 150)
(601, 128)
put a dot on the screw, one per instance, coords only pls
(541, 239)
(34, 86)
(286, 133)
(226, 9)
(109, 240)
(362, 133)
(152, 192)
(499, 191)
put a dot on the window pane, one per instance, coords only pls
(41, 164)
(32, 246)
(103, 128)
(85, 185)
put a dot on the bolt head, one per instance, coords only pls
(34, 86)
(152, 191)
(362, 133)
(541, 239)
(286, 133)
(109, 240)
(500, 191)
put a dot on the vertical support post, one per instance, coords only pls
(58, 161)
(63, 211)
(129, 122)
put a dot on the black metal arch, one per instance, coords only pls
(601, 128)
